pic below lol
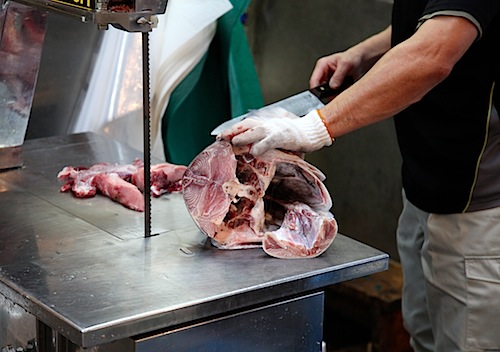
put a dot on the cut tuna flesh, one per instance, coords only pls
(165, 178)
(121, 182)
(119, 190)
(81, 179)
(276, 201)
(294, 240)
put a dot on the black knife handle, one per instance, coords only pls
(326, 94)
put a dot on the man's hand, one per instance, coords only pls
(354, 62)
(284, 131)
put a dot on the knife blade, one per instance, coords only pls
(299, 104)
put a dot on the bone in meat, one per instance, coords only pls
(277, 199)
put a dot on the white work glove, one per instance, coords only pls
(283, 131)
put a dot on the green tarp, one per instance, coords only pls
(223, 85)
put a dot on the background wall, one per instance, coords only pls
(362, 168)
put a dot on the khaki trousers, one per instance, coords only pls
(451, 269)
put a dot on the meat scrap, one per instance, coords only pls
(121, 191)
(123, 183)
(276, 201)
(81, 179)
(165, 178)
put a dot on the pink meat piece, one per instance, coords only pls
(165, 178)
(240, 201)
(209, 189)
(123, 183)
(121, 191)
(293, 239)
(81, 180)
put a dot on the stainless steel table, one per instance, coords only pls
(83, 268)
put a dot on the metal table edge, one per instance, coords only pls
(113, 331)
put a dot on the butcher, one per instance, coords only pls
(434, 69)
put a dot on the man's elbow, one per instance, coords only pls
(441, 70)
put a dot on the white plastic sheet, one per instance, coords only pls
(113, 103)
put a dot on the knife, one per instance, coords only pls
(298, 104)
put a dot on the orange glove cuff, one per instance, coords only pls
(326, 125)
